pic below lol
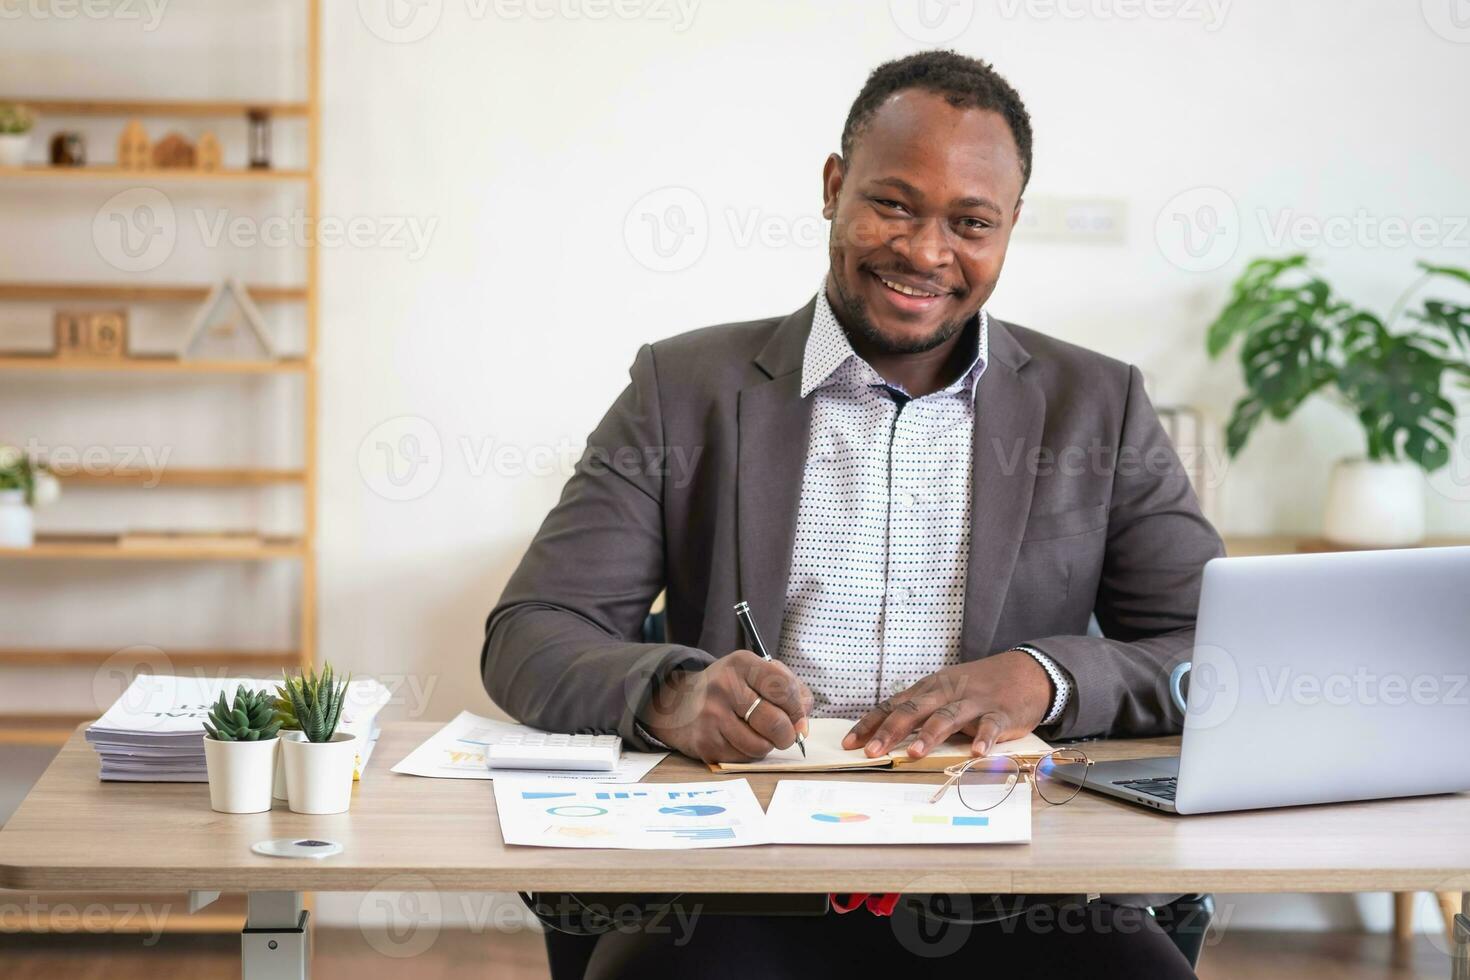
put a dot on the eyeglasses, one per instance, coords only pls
(985, 782)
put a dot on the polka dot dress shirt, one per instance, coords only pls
(876, 595)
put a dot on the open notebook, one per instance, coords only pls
(824, 753)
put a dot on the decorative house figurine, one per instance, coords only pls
(133, 147)
(260, 139)
(207, 153)
(173, 151)
(200, 326)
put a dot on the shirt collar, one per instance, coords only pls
(830, 359)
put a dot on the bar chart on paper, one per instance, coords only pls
(652, 816)
(853, 812)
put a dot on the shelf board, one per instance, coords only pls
(149, 365)
(140, 107)
(142, 293)
(178, 476)
(42, 730)
(107, 548)
(43, 657)
(119, 912)
(151, 175)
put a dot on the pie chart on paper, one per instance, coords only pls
(692, 810)
(839, 816)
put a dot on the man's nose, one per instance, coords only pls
(927, 247)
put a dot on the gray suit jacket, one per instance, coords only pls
(691, 484)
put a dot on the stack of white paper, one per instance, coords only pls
(155, 731)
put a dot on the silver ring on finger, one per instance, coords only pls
(751, 710)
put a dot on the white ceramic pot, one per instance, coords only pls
(319, 774)
(13, 148)
(1374, 505)
(240, 774)
(17, 520)
(279, 792)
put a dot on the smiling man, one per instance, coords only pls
(923, 504)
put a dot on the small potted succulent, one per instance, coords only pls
(319, 763)
(24, 484)
(240, 751)
(15, 133)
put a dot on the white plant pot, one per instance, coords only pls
(240, 774)
(13, 148)
(1374, 505)
(279, 792)
(17, 520)
(319, 774)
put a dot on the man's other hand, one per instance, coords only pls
(1001, 697)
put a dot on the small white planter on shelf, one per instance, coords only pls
(279, 792)
(17, 520)
(13, 148)
(319, 774)
(241, 774)
(1375, 505)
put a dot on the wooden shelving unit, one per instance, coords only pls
(42, 729)
(152, 175)
(177, 108)
(109, 548)
(49, 729)
(45, 292)
(177, 476)
(179, 658)
(59, 913)
(150, 365)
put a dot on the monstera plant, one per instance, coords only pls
(1395, 374)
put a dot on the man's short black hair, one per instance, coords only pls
(965, 83)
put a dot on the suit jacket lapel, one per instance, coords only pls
(774, 423)
(1009, 415)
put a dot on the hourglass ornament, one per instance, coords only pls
(260, 139)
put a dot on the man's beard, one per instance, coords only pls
(853, 315)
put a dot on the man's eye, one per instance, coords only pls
(974, 224)
(888, 205)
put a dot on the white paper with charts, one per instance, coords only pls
(642, 816)
(808, 811)
(457, 751)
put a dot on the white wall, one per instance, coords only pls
(494, 162)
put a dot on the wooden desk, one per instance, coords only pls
(73, 831)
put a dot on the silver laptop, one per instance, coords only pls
(1316, 679)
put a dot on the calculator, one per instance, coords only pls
(547, 750)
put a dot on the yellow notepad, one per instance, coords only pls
(824, 753)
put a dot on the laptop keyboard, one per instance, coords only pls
(1163, 787)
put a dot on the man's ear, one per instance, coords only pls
(831, 184)
(1016, 215)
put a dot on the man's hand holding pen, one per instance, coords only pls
(737, 709)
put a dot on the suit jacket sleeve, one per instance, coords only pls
(561, 647)
(1148, 595)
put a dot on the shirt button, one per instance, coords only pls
(906, 499)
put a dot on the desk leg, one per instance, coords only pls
(1461, 930)
(273, 942)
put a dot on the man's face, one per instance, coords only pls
(921, 216)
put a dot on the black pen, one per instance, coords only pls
(753, 637)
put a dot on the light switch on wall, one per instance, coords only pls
(1075, 220)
